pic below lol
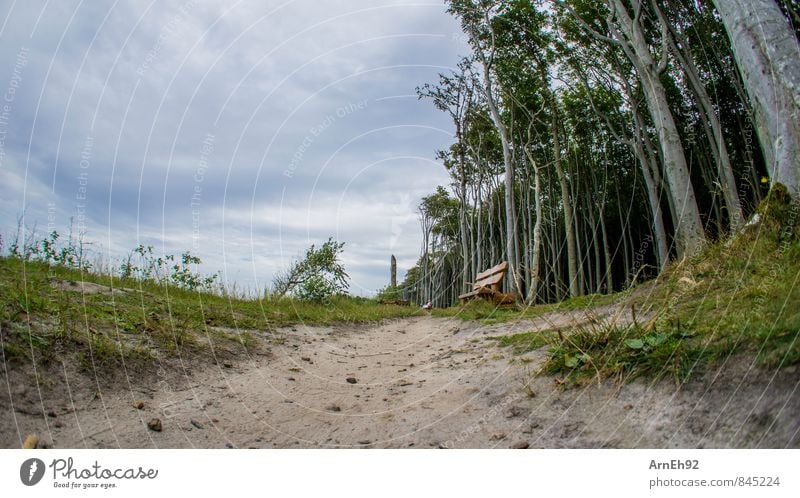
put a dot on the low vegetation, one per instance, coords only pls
(740, 295)
(53, 306)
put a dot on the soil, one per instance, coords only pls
(422, 382)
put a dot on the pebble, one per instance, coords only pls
(196, 423)
(514, 411)
(351, 380)
(520, 445)
(51, 414)
(139, 405)
(333, 408)
(154, 425)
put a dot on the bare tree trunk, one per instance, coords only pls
(716, 138)
(607, 254)
(572, 253)
(689, 233)
(768, 56)
(511, 225)
(653, 198)
(533, 289)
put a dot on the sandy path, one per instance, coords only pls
(421, 382)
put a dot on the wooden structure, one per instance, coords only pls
(488, 285)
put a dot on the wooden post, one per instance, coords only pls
(394, 272)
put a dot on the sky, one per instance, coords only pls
(242, 131)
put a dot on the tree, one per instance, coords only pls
(476, 22)
(318, 276)
(768, 56)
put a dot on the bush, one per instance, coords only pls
(317, 277)
(390, 293)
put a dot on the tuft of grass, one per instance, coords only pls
(525, 341)
(628, 352)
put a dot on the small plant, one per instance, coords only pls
(183, 276)
(317, 277)
(163, 269)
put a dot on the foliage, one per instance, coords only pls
(317, 277)
(50, 250)
(145, 266)
(389, 294)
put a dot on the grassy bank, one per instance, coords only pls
(739, 296)
(51, 312)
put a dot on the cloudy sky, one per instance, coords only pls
(243, 131)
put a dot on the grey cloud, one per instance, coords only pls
(323, 90)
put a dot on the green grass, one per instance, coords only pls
(141, 321)
(739, 296)
(526, 341)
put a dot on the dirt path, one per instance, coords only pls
(422, 382)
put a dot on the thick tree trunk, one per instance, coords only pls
(653, 197)
(768, 56)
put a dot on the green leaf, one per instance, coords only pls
(656, 340)
(634, 343)
(571, 362)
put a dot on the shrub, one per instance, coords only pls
(318, 276)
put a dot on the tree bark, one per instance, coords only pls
(569, 225)
(767, 53)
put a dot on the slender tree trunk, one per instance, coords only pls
(572, 253)
(607, 253)
(689, 233)
(508, 161)
(716, 138)
(533, 289)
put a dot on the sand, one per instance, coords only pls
(422, 382)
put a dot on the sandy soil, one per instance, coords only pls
(422, 383)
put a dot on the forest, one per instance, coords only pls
(596, 142)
